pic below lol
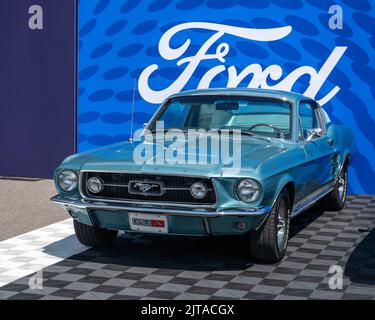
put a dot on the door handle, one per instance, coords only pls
(330, 142)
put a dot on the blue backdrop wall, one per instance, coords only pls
(165, 46)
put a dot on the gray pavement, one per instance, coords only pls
(25, 206)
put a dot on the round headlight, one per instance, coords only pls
(67, 180)
(198, 190)
(95, 185)
(248, 190)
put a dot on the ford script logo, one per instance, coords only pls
(145, 188)
(259, 76)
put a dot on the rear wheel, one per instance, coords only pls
(269, 243)
(93, 236)
(335, 200)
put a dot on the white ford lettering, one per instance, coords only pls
(259, 76)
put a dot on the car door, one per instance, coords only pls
(319, 150)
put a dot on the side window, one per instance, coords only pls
(308, 118)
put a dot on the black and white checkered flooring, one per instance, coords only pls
(49, 263)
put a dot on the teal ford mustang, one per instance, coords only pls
(292, 157)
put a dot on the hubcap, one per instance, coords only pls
(281, 224)
(342, 186)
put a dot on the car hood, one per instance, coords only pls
(120, 157)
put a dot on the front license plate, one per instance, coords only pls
(143, 222)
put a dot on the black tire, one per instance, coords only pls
(335, 200)
(93, 236)
(264, 243)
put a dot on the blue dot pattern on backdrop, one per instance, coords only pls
(115, 73)
(116, 27)
(118, 39)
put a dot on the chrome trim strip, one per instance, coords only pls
(140, 202)
(164, 188)
(115, 185)
(310, 200)
(208, 213)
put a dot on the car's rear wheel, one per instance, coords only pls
(94, 236)
(335, 200)
(269, 243)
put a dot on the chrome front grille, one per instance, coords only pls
(173, 189)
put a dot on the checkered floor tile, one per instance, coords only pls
(154, 267)
(25, 254)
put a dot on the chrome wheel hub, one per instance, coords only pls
(342, 186)
(281, 224)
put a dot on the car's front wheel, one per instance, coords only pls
(93, 236)
(269, 243)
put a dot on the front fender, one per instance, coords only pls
(273, 186)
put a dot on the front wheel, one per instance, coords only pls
(269, 243)
(93, 236)
(335, 200)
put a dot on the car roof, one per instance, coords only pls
(244, 92)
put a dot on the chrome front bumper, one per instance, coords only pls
(196, 212)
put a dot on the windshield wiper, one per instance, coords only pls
(255, 136)
(248, 133)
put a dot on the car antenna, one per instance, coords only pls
(132, 115)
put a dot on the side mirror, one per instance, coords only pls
(318, 132)
(145, 125)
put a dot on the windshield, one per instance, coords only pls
(261, 116)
